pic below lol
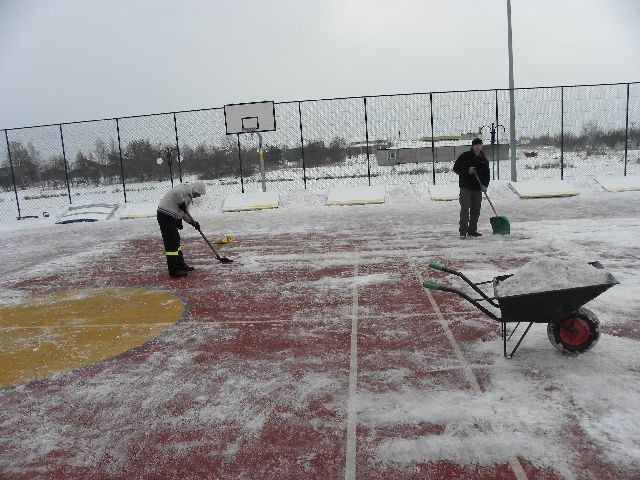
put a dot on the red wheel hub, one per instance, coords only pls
(581, 334)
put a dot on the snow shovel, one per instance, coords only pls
(499, 224)
(218, 257)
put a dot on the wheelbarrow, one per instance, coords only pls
(571, 328)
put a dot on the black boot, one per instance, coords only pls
(475, 234)
(175, 269)
(182, 264)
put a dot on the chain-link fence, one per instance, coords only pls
(331, 129)
(93, 162)
(632, 153)
(8, 200)
(564, 132)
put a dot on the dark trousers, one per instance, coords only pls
(171, 239)
(470, 202)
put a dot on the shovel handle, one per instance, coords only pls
(485, 194)
(218, 257)
(209, 243)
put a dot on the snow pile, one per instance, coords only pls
(543, 189)
(360, 195)
(620, 184)
(545, 274)
(251, 201)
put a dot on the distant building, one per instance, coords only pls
(358, 148)
(419, 151)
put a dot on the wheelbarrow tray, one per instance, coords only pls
(547, 306)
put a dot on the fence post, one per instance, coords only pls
(124, 187)
(175, 126)
(64, 159)
(304, 167)
(13, 177)
(433, 148)
(366, 135)
(240, 162)
(561, 133)
(626, 134)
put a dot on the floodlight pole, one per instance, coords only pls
(493, 129)
(168, 152)
(512, 108)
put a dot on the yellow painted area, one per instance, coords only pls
(45, 334)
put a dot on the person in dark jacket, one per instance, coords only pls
(467, 166)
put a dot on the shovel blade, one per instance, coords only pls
(500, 225)
(224, 260)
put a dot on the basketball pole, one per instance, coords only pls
(261, 156)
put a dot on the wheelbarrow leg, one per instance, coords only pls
(504, 337)
(513, 331)
(517, 344)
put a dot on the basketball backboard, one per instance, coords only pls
(250, 117)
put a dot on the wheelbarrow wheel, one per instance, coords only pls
(575, 334)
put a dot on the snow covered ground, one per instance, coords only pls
(212, 389)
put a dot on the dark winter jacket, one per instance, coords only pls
(461, 167)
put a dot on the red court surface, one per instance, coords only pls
(314, 356)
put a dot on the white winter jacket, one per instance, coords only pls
(183, 193)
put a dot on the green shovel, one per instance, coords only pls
(500, 225)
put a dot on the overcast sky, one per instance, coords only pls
(67, 60)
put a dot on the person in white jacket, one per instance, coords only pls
(171, 211)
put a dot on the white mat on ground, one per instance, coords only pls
(356, 195)
(448, 191)
(138, 210)
(88, 213)
(620, 184)
(251, 201)
(543, 189)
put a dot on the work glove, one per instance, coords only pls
(195, 225)
(182, 206)
(472, 170)
(179, 224)
(483, 188)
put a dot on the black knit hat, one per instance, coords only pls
(476, 141)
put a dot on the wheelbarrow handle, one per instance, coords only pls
(442, 268)
(434, 286)
(431, 285)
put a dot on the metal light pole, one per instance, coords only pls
(168, 151)
(493, 129)
(512, 108)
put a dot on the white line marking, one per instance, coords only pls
(515, 464)
(466, 368)
(352, 420)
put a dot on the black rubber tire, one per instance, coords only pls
(588, 320)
